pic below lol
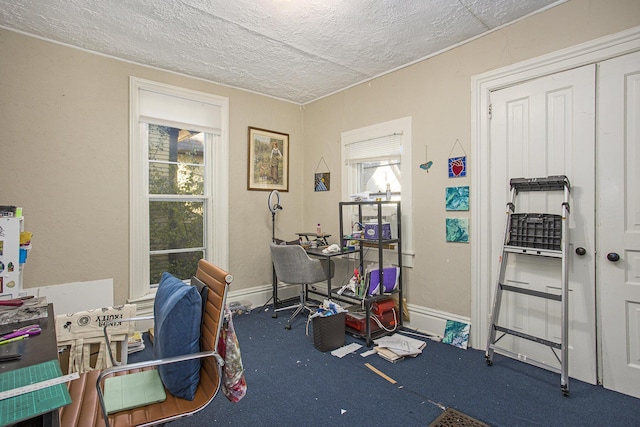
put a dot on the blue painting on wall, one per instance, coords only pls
(457, 198)
(458, 230)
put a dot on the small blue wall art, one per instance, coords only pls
(458, 230)
(457, 198)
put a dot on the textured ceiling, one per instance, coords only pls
(297, 50)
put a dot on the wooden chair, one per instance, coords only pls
(81, 336)
(87, 405)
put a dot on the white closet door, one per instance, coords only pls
(619, 222)
(539, 128)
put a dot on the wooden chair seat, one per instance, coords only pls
(85, 409)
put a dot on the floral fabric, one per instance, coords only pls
(234, 385)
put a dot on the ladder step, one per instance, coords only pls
(549, 183)
(533, 251)
(525, 359)
(518, 334)
(540, 294)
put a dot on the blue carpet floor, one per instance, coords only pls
(290, 383)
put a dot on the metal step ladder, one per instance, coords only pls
(543, 235)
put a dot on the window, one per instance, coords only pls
(177, 199)
(374, 165)
(179, 184)
(376, 159)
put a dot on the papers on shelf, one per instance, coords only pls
(359, 197)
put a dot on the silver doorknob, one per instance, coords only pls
(581, 251)
(613, 257)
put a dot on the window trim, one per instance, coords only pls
(379, 130)
(218, 175)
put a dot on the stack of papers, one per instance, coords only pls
(396, 347)
(31, 309)
(135, 342)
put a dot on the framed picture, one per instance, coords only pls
(322, 181)
(268, 163)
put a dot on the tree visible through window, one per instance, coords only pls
(177, 197)
(179, 165)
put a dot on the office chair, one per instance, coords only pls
(87, 406)
(293, 266)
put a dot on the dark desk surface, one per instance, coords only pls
(35, 349)
(318, 252)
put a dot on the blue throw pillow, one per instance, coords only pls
(178, 314)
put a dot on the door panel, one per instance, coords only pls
(539, 128)
(619, 222)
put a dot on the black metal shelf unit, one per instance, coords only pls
(379, 244)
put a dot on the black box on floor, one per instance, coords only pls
(328, 332)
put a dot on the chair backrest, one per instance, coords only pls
(218, 281)
(294, 266)
(84, 409)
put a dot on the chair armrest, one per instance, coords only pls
(114, 362)
(146, 364)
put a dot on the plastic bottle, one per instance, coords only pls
(319, 230)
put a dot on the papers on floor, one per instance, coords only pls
(344, 350)
(135, 342)
(396, 347)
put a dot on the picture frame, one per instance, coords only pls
(268, 160)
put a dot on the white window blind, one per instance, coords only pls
(173, 109)
(384, 147)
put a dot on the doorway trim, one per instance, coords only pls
(482, 85)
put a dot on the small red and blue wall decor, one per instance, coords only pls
(457, 165)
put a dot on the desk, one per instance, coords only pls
(321, 239)
(36, 349)
(319, 254)
(316, 252)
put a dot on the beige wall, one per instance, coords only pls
(436, 93)
(64, 150)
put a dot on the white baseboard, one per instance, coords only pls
(422, 319)
(430, 321)
(258, 296)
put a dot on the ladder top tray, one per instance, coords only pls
(549, 183)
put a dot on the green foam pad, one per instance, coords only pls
(133, 390)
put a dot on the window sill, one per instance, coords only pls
(144, 304)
